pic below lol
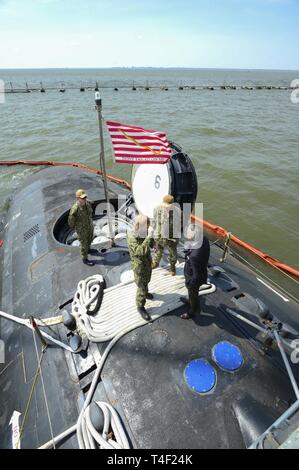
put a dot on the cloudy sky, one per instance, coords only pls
(157, 33)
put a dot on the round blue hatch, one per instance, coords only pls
(227, 356)
(200, 376)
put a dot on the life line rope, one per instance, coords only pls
(219, 231)
(47, 322)
(87, 435)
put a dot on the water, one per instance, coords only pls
(244, 144)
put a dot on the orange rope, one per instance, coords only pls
(75, 165)
(219, 231)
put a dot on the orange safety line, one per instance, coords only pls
(75, 165)
(219, 231)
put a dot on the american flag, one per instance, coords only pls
(132, 144)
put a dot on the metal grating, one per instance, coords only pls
(31, 232)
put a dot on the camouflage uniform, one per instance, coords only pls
(166, 219)
(80, 219)
(141, 261)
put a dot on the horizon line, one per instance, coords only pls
(150, 67)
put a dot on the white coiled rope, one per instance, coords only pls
(90, 438)
(86, 294)
(85, 298)
(118, 310)
(79, 427)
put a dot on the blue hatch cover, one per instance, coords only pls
(200, 376)
(227, 356)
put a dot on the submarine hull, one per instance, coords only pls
(144, 375)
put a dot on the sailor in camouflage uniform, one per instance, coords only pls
(167, 224)
(139, 243)
(80, 219)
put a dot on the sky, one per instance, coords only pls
(250, 34)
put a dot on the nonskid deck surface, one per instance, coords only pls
(144, 374)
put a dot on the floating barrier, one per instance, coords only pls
(216, 229)
(146, 87)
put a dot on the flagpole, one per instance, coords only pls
(98, 101)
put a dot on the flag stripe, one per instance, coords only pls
(142, 141)
(132, 144)
(144, 152)
(133, 133)
(113, 125)
(141, 160)
(128, 136)
(123, 146)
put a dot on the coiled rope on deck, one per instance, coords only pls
(90, 438)
(80, 428)
(99, 328)
(118, 311)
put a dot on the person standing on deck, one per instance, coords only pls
(139, 244)
(80, 220)
(196, 267)
(167, 225)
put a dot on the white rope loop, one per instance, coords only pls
(86, 294)
(90, 438)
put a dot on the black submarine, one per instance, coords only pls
(93, 375)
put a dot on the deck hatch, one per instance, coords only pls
(200, 376)
(227, 356)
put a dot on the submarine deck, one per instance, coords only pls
(143, 376)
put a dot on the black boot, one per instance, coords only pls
(144, 313)
(149, 296)
(93, 251)
(88, 262)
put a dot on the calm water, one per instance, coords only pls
(244, 144)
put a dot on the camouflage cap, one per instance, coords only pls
(81, 194)
(168, 199)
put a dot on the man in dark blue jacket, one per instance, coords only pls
(197, 255)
